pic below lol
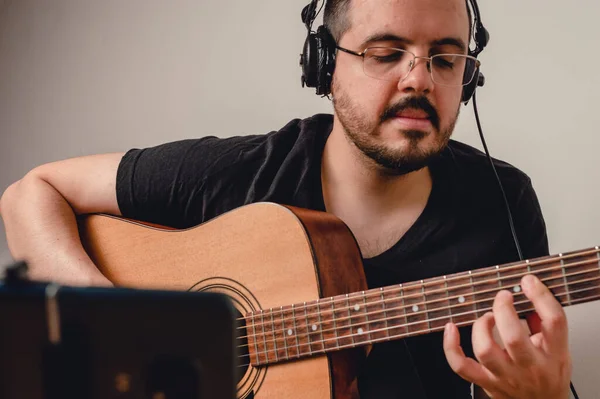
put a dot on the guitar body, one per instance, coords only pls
(262, 256)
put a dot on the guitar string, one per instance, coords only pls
(404, 306)
(421, 295)
(414, 314)
(405, 315)
(417, 286)
(397, 336)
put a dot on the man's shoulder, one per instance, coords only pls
(297, 136)
(473, 164)
(294, 130)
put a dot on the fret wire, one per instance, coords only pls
(598, 256)
(516, 303)
(565, 278)
(287, 355)
(307, 329)
(295, 330)
(498, 274)
(337, 340)
(366, 314)
(254, 339)
(404, 306)
(274, 338)
(492, 290)
(474, 294)
(264, 334)
(349, 319)
(528, 266)
(425, 303)
(320, 322)
(385, 316)
(419, 332)
(448, 298)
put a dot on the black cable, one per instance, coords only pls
(573, 390)
(510, 218)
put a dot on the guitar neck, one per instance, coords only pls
(404, 310)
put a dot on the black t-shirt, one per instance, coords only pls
(464, 225)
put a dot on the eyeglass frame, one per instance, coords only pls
(414, 62)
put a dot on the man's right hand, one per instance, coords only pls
(39, 214)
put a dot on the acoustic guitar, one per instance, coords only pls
(296, 278)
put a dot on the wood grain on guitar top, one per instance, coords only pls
(282, 255)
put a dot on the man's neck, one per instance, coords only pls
(376, 205)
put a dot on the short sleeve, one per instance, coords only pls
(164, 184)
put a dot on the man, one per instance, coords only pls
(419, 204)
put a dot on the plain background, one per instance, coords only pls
(81, 76)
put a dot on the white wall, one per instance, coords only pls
(83, 76)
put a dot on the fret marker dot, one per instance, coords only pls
(356, 307)
(461, 299)
(290, 331)
(360, 330)
(517, 288)
(415, 308)
(314, 327)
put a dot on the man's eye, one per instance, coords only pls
(388, 56)
(444, 62)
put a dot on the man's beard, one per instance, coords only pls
(393, 161)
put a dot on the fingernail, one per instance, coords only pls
(446, 329)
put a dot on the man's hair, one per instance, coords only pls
(336, 18)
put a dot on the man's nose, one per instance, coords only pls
(418, 79)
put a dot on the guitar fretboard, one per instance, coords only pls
(404, 310)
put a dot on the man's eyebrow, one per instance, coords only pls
(385, 37)
(452, 41)
(388, 37)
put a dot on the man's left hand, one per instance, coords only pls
(532, 367)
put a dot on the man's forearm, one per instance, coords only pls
(41, 229)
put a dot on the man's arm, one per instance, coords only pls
(39, 216)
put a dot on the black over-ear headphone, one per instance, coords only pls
(318, 56)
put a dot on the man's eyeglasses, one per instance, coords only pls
(394, 64)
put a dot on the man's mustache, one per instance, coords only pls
(417, 103)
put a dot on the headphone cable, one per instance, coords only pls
(510, 218)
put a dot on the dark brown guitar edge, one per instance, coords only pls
(339, 266)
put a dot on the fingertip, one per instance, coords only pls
(506, 295)
(529, 282)
(503, 298)
(451, 335)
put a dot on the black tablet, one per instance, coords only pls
(104, 343)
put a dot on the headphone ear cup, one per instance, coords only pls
(469, 89)
(326, 59)
(309, 61)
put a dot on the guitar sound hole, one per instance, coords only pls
(249, 379)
